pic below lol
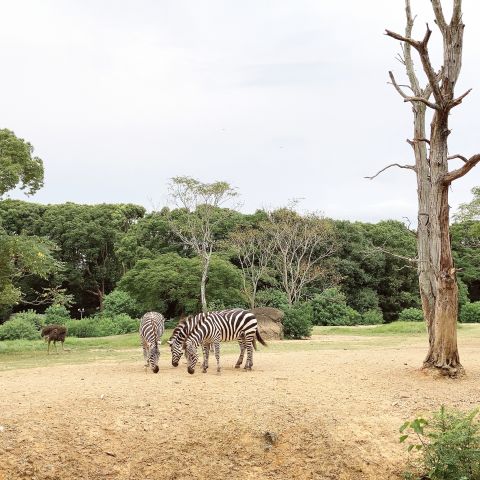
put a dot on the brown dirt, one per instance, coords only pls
(320, 414)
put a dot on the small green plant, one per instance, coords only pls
(118, 302)
(271, 297)
(297, 322)
(30, 316)
(411, 315)
(56, 314)
(330, 308)
(448, 444)
(372, 317)
(18, 328)
(470, 313)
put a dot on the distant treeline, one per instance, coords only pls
(97, 249)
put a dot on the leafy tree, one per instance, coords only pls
(297, 322)
(200, 204)
(471, 210)
(330, 308)
(466, 251)
(170, 284)
(118, 302)
(87, 236)
(17, 166)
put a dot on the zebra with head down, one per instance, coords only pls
(152, 326)
(219, 327)
(186, 326)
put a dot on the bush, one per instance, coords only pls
(411, 315)
(18, 328)
(449, 445)
(297, 322)
(470, 313)
(102, 326)
(271, 297)
(372, 317)
(119, 302)
(330, 308)
(30, 316)
(56, 314)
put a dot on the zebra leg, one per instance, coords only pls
(249, 362)
(206, 352)
(145, 354)
(216, 347)
(241, 343)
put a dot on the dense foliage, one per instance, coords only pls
(117, 259)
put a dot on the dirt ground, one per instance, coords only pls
(311, 414)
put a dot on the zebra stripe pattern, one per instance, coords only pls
(223, 326)
(184, 328)
(152, 326)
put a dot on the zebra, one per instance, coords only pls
(152, 326)
(223, 326)
(182, 331)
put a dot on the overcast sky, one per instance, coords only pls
(283, 99)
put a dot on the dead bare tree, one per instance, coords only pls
(300, 243)
(437, 277)
(253, 249)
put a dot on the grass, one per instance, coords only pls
(27, 354)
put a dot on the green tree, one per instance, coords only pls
(170, 283)
(87, 236)
(17, 166)
(199, 216)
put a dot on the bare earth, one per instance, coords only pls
(309, 414)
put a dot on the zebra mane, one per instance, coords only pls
(179, 326)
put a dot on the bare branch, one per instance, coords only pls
(460, 172)
(458, 101)
(426, 140)
(414, 43)
(461, 157)
(397, 87)
(409, 167)
(422, 100)
(440, 19)
(456, 13)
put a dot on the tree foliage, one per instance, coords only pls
(17, 165)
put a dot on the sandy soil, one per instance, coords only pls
(326, 414)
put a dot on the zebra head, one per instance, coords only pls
(192, 356)
(176, 347)
(153, 355)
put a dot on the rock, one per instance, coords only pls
(269, 322)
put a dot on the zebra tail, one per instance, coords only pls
(260, 339)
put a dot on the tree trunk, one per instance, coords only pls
(203, 282)
(443, 350)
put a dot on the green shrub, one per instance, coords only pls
(330, 308)
(18, 328)
(102, 326)
(271, 297)
(448, 444)
(56, 314)
(372, 317)
(31, 316)
(411, 315)
(470, 313)
(118, 302)
(297, 322)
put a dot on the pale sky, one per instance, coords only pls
(283, 99)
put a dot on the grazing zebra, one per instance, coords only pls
(152, 326)
(223, 326)
(184, 328)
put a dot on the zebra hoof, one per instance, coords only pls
(238, 365)
(190, 370)
(204, 370)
